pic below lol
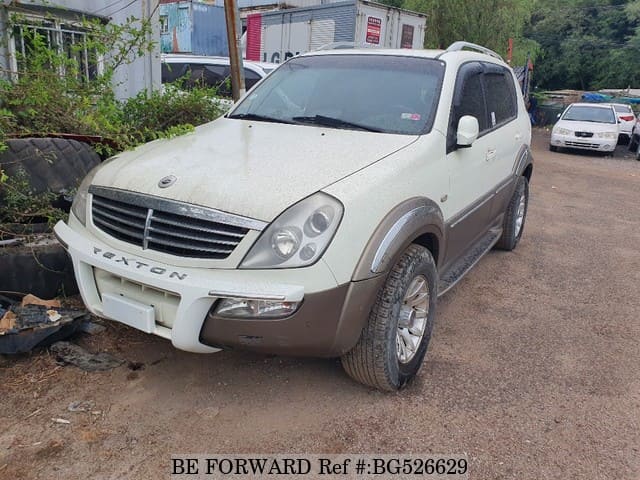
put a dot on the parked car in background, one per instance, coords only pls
(586, 126)
(210, 71)
(627, 119)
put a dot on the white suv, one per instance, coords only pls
(322, 216)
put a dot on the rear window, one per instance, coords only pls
(623, 108)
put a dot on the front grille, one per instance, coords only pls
(168, 226)
(582, 145)
(584, 134)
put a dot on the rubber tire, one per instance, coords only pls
(638, 152)
(51, 164)
(373, 361)
(509, 239)
(633, 142)
(44, 270)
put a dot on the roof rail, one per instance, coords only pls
(458, 46)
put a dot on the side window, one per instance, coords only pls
(501, 100)
(468, 100)
(173, 71)
(250, 78)
(207, 75)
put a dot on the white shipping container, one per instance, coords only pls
(277, 35)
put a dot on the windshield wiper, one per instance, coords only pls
(260, 118)
(334, 122)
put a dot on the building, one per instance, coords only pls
(60, 20)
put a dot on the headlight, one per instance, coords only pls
(79, 205)
(299, 236)
(563, 131)
(608, 135)
(253, 308)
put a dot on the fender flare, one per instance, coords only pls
(407, 221)
(523, 160)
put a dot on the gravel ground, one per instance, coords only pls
(532, 370)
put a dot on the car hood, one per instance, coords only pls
(254, 169)
(587, 126)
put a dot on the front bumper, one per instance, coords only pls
(594, 143)
(328, 323)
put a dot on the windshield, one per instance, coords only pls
(585, 113)
(381, 93)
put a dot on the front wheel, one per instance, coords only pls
(638, 152)
(394, 341)
(515, 216)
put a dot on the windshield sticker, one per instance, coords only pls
(410, 116)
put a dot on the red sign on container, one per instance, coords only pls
(374, 26)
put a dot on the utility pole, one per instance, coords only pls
(232, 17)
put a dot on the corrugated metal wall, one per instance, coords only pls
(209, 34)
(194, 27)
(306, 29)
(177, 37)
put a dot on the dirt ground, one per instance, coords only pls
(533, 369)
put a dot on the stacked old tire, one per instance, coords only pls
(57, 165)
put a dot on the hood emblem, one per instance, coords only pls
(167, 181)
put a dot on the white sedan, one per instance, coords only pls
(627, 118)
(586, 126)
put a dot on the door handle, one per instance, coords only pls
(491, 154)
(518, 137)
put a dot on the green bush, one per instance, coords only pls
(169, 113)
(22, 205)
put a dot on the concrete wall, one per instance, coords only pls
(142, 73)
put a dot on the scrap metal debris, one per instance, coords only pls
(70, 353)
(81, 406)
(35, 322)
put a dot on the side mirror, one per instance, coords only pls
(468, 131)
(558, 116)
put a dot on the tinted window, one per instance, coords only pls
(468, 99)
(472, 101)
(250, 78)
(501, 100)
(208, 75)
(173, 71)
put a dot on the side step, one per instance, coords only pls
(466, 263)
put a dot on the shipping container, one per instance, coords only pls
(278, 35)
(193, 27)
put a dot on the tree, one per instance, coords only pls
(486, 22)
(586, 44)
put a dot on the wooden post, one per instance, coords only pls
(232, 17)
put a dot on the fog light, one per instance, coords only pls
(250, 308)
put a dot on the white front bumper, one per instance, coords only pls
(195, 289)
(592, 143)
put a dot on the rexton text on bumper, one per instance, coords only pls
(184, 304)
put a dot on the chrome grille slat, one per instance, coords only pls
(119, 229)
(186, 246)
(113, 205)
(215, 231)
(169, 233)
(101, 213)
(168, 226)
